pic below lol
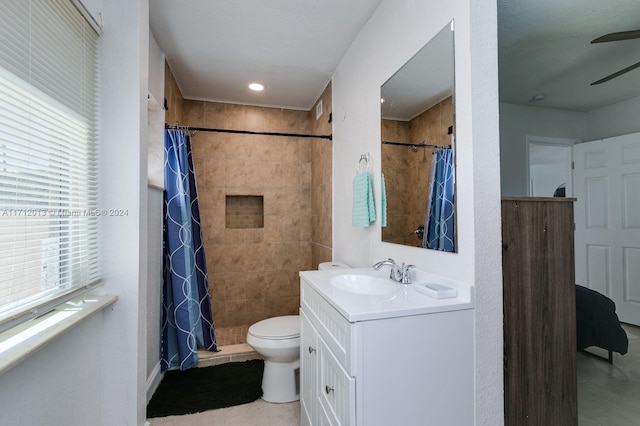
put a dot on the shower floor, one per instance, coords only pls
(232, 347)
(232, 335)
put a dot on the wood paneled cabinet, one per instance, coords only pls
(539, 311)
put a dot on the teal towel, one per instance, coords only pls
(383, 202)
(364, 209)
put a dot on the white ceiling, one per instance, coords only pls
(544, 46)
(216, 47)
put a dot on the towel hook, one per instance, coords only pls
(367, 159)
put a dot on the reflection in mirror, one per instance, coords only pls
(418, 133)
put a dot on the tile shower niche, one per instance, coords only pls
(244, 211)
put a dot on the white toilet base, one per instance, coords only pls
(280, 381)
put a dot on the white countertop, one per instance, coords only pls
(401, 299)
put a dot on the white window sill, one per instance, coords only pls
(21, 341)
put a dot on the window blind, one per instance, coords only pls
(48, 154)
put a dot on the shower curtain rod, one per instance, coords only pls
(416, 145)
(249, 132)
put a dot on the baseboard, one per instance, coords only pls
(153, 381)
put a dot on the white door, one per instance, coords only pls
(606, 183)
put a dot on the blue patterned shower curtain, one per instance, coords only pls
(440, 223)
(187, 322)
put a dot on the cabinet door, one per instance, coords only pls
(539, 313)
(336, 389)
(308, 372)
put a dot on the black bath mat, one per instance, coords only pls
(207, 388)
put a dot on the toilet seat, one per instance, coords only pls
(277, 328)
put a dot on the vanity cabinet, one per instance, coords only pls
(405, 370)
(540, 386)
(327, 390)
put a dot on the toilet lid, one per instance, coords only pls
(277, 328)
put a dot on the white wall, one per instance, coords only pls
(156, 114)
(154, 290)
(60, 384)
(516, 123)
(396, 31)
(614, 120)
(155, 172)
(156, 71)
(95, 373)
(125, 42)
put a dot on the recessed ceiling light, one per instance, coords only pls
(257, 87)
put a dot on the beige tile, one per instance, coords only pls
(290, 201)
(268, 414)
(273, 120)
(255, 284)
(255, 310)
(234, 117)
(232, 235)
(212, 228)
(209, 144)
(306, 202)
(272, 232)
(291, 150)
(193, 113)
(305, 228)
(294, 121)
(213, 417)
(304, 170)
(282, 170)
(234, 287)
(276, 284)
(254, 235)
(214, 115)
(291, 175)
(304, 149)
(235, 312)
(290, 228)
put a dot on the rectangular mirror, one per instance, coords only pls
(418, 145)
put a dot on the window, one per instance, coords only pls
(48, 155)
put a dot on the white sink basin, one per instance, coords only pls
(362, 284)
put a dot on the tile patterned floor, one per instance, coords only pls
(608, 394)
(258, 413)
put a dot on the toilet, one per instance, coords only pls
(277, 339)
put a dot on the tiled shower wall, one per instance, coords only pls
(407, 173)
(253, 272)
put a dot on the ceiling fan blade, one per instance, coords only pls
(623, 35)
(617, 74)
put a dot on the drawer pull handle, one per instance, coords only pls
(328, 389)
(311, 349)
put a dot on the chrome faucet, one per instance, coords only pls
(398, 273)
(405, 274)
